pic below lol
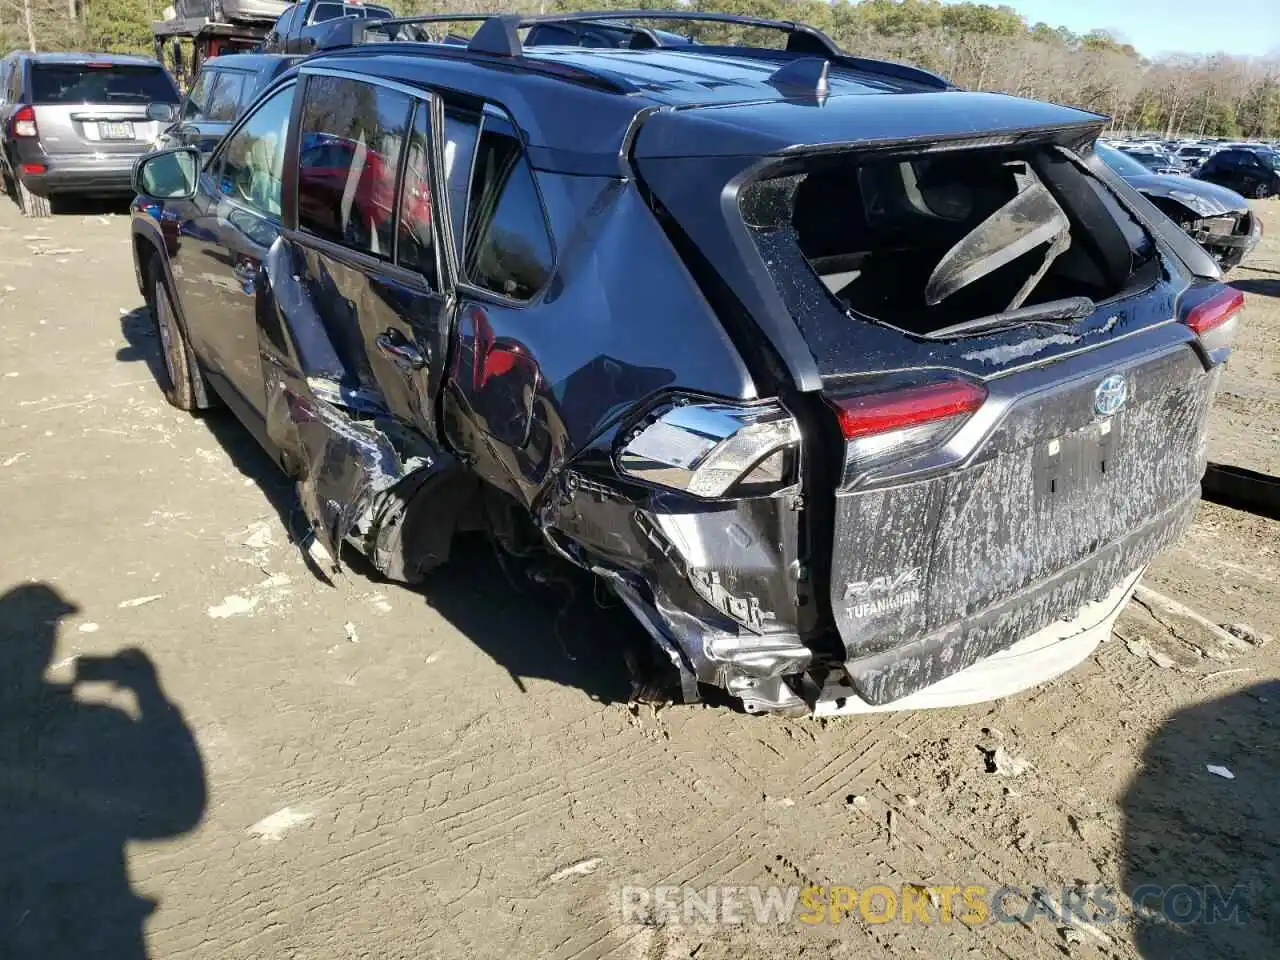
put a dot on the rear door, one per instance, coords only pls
(97, 107)
(354, 365)
(1227, 169)
(367, 240)
(1253, 173)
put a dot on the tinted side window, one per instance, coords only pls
(325, 11)
(461, 131)
(553, 35)
(508, 249)
(252, 161)
(349, 146)
(223, 104)
(194, 108)
(416, 248)
(284, 25)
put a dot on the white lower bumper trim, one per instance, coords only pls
(1028, 663)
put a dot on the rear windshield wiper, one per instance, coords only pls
(1058, 313)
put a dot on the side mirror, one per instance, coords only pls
(162, 112)
(168, 175)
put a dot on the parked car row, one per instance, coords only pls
(845, 424)
(1250, 168)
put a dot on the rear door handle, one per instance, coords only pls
(401, 351)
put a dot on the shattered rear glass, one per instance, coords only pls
(932, 243)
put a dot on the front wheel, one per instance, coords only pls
(179, 388)
(1261, 192)
(33, 205)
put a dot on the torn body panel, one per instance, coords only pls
(363, 476)
(721, 586)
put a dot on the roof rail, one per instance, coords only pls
(801, 38)
(498, 36)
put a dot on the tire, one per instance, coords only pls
(34, 206)
(1261, 192)
(179, 388)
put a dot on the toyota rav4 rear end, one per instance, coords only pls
(986, 364)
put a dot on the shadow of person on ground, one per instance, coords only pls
(1201, 852)
(1263, 288)
(77, 782)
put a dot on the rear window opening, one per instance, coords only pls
(959, 242)
(64, 83)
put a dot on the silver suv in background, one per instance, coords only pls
(73, 123)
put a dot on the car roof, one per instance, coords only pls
(677, 76)
(584, 101)
(253, 62)
(116, 59)
(693, 75)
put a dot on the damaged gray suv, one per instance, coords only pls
(860, 391)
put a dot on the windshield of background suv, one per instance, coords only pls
(1124, 165)
(100, 83)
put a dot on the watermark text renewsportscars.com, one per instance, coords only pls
(970, 904)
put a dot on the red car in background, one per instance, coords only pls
(349, 187)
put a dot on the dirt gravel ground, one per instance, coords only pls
(359, 770)
(1246, 421)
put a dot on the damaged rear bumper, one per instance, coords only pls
(1045, 654)
(1024, 640)
(896, 673)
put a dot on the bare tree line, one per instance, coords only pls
(976, 46)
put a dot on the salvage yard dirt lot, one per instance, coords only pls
(454, 772)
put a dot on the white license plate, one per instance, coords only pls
(115, 131)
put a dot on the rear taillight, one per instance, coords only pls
(1214, 321)
(895, 410)
(1215, 311)
(713, 450)
(893, 424)
(23, 123)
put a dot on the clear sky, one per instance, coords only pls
(1239, 27)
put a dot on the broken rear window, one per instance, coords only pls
(954, 242)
